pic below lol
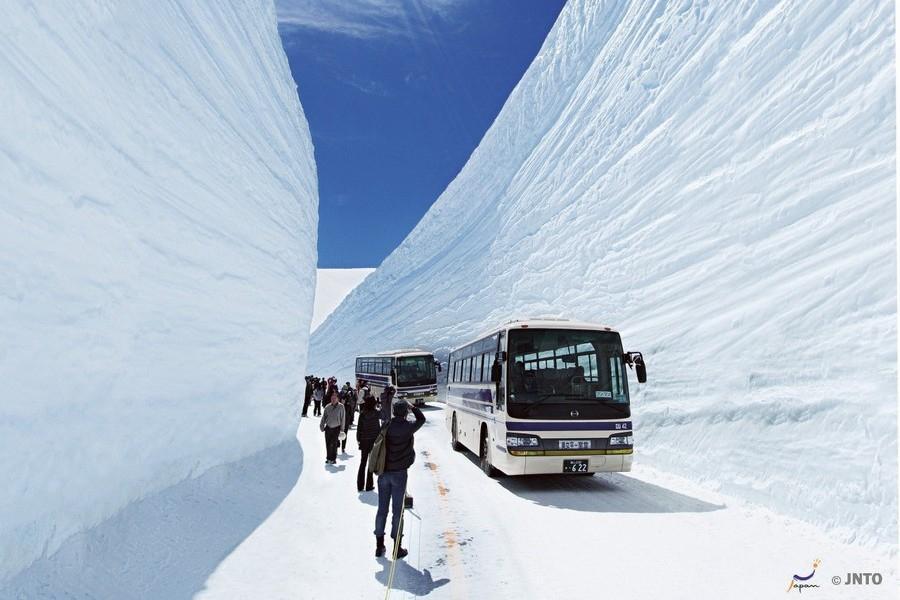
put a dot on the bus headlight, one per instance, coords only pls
(620, 440)
(522, 441)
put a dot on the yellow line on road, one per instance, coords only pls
(451, 537)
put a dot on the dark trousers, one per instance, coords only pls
(306, 402)
(364, 472)
(391, 487)
(317, 411)
(344, 441)
(331, 442)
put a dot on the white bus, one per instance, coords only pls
(411, 372)
(543, 396)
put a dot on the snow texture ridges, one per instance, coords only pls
(717, 181)
(158, 225)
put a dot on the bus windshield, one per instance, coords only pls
(566, 374)
(415, 370)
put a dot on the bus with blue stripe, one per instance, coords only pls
(412, 372)
(543, 396)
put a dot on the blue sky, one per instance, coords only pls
(398, 93)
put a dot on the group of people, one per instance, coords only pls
(376, 415)
(337, 415)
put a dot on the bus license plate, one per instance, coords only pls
(575, 466)
(575, 444)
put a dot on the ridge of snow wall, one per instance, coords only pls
(716, 181)
(158, 225)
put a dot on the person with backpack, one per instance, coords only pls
(366, 432)
(332, 424)
(398, 455)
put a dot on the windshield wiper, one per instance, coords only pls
(620, 406)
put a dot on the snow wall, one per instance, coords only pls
(716, 180)
(158, 249)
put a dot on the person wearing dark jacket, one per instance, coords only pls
(366, 432)
(386, 400)
(348, 417)
(307, 395)
(399, 456)
(354, 402)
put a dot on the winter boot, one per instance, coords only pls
(379, 546)
(399, 549)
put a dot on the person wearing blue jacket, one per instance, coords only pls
(399, 457)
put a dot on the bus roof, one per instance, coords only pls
(401, 352)
(538, 323)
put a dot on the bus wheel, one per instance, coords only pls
(454, 435)
(486, 465)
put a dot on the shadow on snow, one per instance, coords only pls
(168, 544)
(408, 578)
(604, 492)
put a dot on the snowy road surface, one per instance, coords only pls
(638, 535)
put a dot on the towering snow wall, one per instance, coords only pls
(716, 180)
(157, 251)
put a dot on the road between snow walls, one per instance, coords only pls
(716, 181)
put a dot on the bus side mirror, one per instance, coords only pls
(496, 372)
(641, 370)
(636, 359)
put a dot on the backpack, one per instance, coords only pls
(379, 451)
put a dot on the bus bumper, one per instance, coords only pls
(419, 399)
(537, 465)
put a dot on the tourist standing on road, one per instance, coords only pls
(348, 416)
(399, 456)
(354, 401)
(332, 424)
(307, 394)
(387, 399)
(318, 396)
(366, 432)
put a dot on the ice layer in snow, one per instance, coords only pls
(716, 180)
(157, 251)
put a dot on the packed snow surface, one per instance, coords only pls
(549, 536)
(715, 180)
(158, 222)
(332, 286)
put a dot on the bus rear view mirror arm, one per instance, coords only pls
(636, 361)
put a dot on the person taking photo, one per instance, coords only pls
(399, 456)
